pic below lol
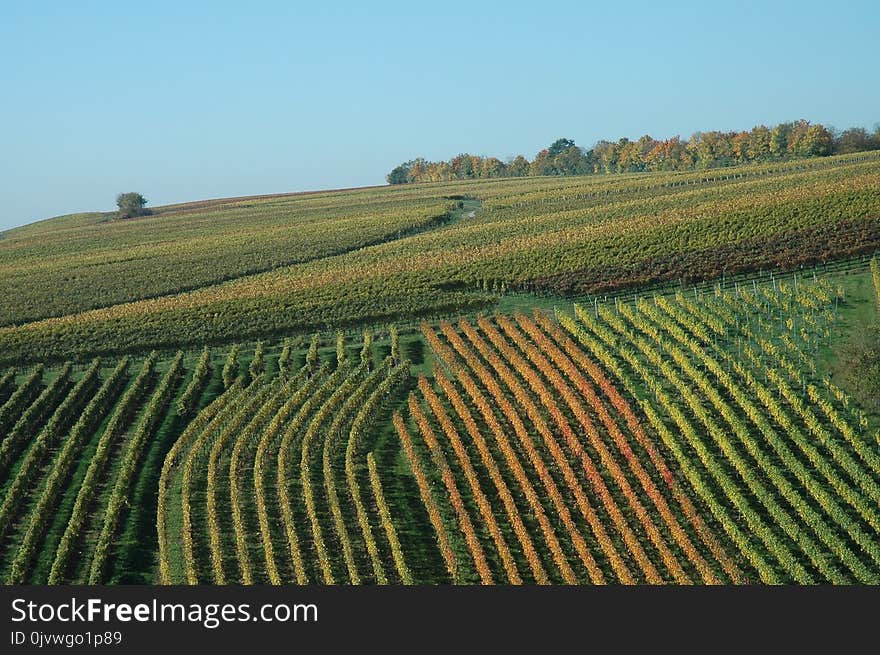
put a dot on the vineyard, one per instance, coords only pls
(620, 379)
(676, 438)
(263, 268)
(673, 440)
(272, 482)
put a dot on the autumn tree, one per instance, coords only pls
(703, 150)
(629, 159)
(816, 142)
(779, 139)
(492, 167)
(542, 164)
(418, 168)
(759, 143)
(605, 157)
(462, 167)
(518, 167)
(741, 147)
(666, 155)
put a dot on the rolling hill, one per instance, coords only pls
(625, 378)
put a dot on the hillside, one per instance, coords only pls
(219, 272)
(625, 379)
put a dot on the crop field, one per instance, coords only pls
(617, 379)
(672, 439)
(547, 236)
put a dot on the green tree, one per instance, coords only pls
(559, 146)
(400, 174)
(779, 139)
(131, 204)
(518, 167)
(816, 142)
(858, 365)
(542, 164)
(855, 139)
(759, 143)
(605, 155)
(572, 161)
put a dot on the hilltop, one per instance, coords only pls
(221, 270)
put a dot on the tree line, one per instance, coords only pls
(703, 150)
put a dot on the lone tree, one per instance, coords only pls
(131, 204)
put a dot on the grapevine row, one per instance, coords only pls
(559, 457)
(146, 429)
(838, 452)
(267, 396)
(561, 358)
(357, 432)
(313, 432)
(237, 475)
(7, 383)
(816, 460)
(698, 482)
(428, 499)
(464, 520)
(189, 399)
(463, 461)
(261, 497)
(333, 436)
(586, 390)
(387, 522)
(510, 456)
(875, 277)
(607, 460)
(41, 514)
(206, 419)
(795, 499)
(230, 367)
(89, 488)
(489, 462)
(45, 441)
(32, 417)
(285, 474)
(780, 517)
(19, 399)
(243, 407)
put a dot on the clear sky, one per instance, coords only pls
(189, 100)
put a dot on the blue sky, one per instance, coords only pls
(233, 98)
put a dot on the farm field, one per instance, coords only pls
(618, 379)
(548, 236)
(677, 438)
